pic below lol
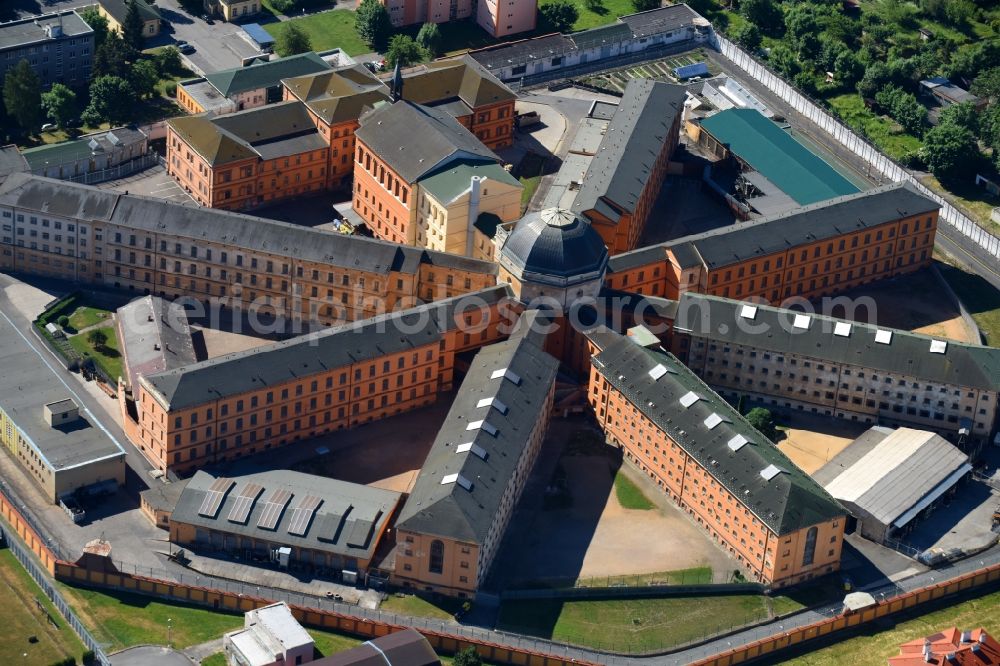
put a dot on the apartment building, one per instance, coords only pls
(735, 483)
(469, 92)
(338, 378)
(790, 360)
(499, 17)
(248, 159)
(58, 46)
(421, 178)
(813, 251)
(152, 246)
(450, 528)
(624, 178)
(242, 88)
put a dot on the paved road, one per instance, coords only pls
(217, 46)
(150, 655)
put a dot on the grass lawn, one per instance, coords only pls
(122, 620)
(327, 30)
(86, 315)
(976, 202)
(328, 642)
(109, 359)
(629, 495)
(411, 604)
(693, 576)
(22, 619)
(979, 297)
(879, 130)
(631, 625)
(217, 659)
(611, 10)
(873, 647)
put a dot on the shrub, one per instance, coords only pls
(170, 89)
(63, 321)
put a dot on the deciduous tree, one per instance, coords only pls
(292, 40)
(429, 38)
(132, 27)
(762, 420)
(111, 100)
(60, 104)
(371, 20)
(560, 15)
(22, 96)
(97, 23)
(403, 50)
(951, 153)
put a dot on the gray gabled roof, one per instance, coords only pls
(348, 521)
(906, 353)
(265, 74)
(450, 510)
(828, 219)
(415, 140)
(302, 356)
(631, 145)
(787, 502)
(31, 30)
(209, 225)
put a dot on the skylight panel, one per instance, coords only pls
(938, 346)
(748, 311)
(458, 479)
(737, 442)
(842, 329)
(689, 399)
(883, 337)
(507, 374)
(474, 448)
(658, 371)
(492, 402)
(801, 321)
(482, 425)
(770, 472)
(713, 420)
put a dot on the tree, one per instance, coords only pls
(144, 78)
(168, 61)
(404, 50)
(968, 61)
(292, 40)
(959, 13)
(132, 27)
(371, 20)
(762, 420)
(596, 6)
(987, 84)
(60, 105)
(876, 77)
(848, 68)
(111, 100)
(560, 15)
(964, 115)
(467, 657)
(951, 152)
(903, 107)
(429, 38)
(748, 36)
(645, 5)
(22, 96)
(764, 14)
(98, 339)
(784, 60)
(113, 57)
(97, 23)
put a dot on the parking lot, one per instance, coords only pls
(153, 182)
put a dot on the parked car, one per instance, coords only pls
(207, 19)
(184, 47)
(48, 127)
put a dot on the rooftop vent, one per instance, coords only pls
(883, 337)
(508, 375)
(456, 478)
(493, 402)
(938, 346)
(689, 399)
(61, 412)
(482, 425)
(770, 472)
(748, 311)
(842, 329)
(658, 371)
(737, 443)
(475, 448)
(801, 321)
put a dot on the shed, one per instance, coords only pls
(259, 36)
(691, 71)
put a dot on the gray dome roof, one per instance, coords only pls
(555, 242)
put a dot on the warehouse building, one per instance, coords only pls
(43, 426)
(284, 517)
(887, 479)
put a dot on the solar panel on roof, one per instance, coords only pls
(244, 503)
(274, 505)
(302, 514)
(212, 501)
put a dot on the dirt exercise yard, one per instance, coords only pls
(812, 441)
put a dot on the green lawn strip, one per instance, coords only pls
(86, 315)
(326, 30)
(329, 642)
(21, 619)
(612, 9)
(631, 625)
(121, 620)
(217, 659)
(692, 576)
(979, 297)
(879, 130)
(873, 647)
(973, 200)
(110, 359)
(629, 495)
(417, 606)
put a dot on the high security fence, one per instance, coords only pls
(878, 161)
(22, 555)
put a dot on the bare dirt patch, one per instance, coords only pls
(811, 442)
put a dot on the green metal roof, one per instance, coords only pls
(448, 184)
(781, 159)
(266, 74)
